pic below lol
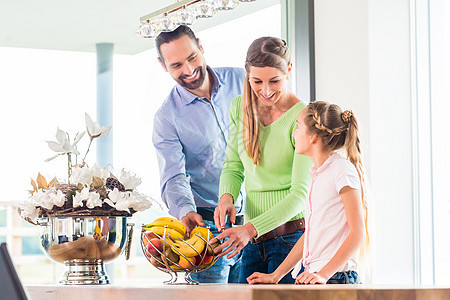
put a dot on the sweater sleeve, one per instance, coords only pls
(232, 175)
(293, 203)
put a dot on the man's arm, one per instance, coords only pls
(175, 186)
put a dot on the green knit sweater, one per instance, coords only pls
(277, 188)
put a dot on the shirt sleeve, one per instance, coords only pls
(176, 191)
(349, 177)
(232, 175)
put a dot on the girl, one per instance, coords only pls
(261, 149)
(336, 211)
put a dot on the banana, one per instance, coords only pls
(169, 231)
(170, 222)
(203, 232)
(184, 247)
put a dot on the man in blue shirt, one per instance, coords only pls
(190, 134)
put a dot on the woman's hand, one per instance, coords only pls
(225, 207)
(262, 278)
(237, 239)
(311, 278)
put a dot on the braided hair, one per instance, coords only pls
(337, 130)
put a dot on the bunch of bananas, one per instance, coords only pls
(166, 246)
(166, 226)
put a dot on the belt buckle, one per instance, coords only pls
(238, 221)
(254, 241)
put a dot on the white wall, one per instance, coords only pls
(363, 63)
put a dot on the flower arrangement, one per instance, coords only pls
(89, 191)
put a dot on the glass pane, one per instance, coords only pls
(2, 217)
(25, 223)
(3, 239)
(31, 246)
(40, 273)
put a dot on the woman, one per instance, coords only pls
(261, 149)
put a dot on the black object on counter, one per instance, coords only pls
(10, 286)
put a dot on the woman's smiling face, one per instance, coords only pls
(268, 84)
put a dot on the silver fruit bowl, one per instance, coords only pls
(84, 244)
(168, 262)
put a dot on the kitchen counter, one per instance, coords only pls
(239, 292)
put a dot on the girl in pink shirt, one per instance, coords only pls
(336, 209)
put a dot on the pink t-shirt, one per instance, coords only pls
(326, 222)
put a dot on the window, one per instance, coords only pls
(44, 89)
(440, 106)
(430, 102)
(47, 89)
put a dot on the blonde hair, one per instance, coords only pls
(339, 130)
(263, 52)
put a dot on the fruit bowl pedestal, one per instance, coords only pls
(84, 244)
(169, 265)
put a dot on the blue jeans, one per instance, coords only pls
(346, 277)
(224, 270)
(266, 256)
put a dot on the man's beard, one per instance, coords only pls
(194, 84)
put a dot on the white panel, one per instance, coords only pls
(390, 134)
(440, 106)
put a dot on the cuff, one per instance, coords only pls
(263, 224)
(185, 210)
(231, 189)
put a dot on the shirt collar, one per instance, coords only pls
(325, 165)
(187, 97)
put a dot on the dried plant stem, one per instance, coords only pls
(69, 167)
(87, 151)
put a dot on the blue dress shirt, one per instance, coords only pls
(190, 136)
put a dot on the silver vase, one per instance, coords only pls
(84, 245)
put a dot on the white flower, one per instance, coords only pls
(122, 204)
(118, 200)
(100, 172)
(42, 198)
(130, 181)
(57, 198)
(28, 210)
(81, 175)
(93, 200)
(109, 202)
(63, 145)
(94, 129)
(114, 195)
(80, 197)
(138, 202)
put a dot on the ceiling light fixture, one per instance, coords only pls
(183, 12)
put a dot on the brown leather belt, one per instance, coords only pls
(286, 228)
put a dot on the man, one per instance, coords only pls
(190, 136)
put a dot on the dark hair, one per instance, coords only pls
(167, 37)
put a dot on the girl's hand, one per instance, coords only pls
(225, 207)
(311, 278)
(262, 278)
(238, 238)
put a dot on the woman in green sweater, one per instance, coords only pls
(261, 150)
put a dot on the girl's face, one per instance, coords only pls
(301, 136)
(268, 84)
